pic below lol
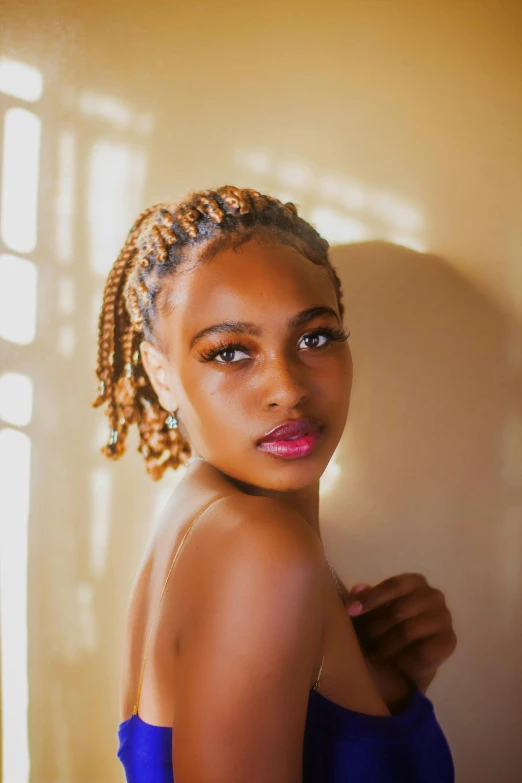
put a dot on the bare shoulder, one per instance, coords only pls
(260, 545)
(238, 515)
(265, 540)
(264, 569)
(250, 652)
(268, 521)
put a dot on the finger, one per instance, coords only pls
(355, 607)
(358, 588)
(424, 657)
(389, 590)
(406, 633)
(424, 600)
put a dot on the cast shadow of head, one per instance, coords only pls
(424, 479)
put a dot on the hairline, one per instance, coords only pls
(205, 253)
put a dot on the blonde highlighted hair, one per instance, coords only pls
(157, 244)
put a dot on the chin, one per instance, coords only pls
(288, 475)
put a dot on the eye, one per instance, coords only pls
(329, 335)
(314, 338)
(222, 351)
(231, 349)
(226, 353)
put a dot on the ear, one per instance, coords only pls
(156, 367)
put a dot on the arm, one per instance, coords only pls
(248, 658)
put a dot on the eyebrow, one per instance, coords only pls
(245, 327)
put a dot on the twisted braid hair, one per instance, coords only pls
(156, 245)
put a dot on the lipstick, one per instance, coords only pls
(292, 439)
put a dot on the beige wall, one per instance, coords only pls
(397, 125)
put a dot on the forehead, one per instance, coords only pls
(259, 282)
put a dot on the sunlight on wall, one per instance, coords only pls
(18, 279)
(350, 195)
(20, 80)
(101, 507)
(355, 213)
(15, 465)
(18, 297)
(86, 619)
(294, 174)
(62, 731)
(66, 341)
(396, 212)
(116, 174)
(115, 113)
(338, 228)
(256, 161)
(406, 241)
(65, 197)
(16, 398)
(330, 476)
(100, 434)
(66, 296)
(94, 311)
(20, 169)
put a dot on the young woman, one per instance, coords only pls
(221, 337)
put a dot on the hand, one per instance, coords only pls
(406, 622)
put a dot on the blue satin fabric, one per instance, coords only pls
(340, 746)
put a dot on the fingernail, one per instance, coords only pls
(358, 588)
(355, 608)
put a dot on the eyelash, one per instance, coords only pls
(334, 335)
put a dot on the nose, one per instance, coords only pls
(284, 383)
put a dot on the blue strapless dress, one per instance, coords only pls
(340, 746)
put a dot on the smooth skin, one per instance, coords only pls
(251, 605)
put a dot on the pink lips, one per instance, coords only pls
(292, 439)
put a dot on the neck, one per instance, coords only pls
(305, 501)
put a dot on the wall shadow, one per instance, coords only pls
(429, 464)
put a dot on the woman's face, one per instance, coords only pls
(229, 398)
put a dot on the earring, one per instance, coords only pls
(171, 421)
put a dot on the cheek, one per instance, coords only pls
(223, 399)
(346, 371)
(224, 419)
(336, 378)
(349, 371)
(336, 390)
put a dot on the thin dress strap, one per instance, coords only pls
(316, 683)
(215, 500)
(344, 598)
